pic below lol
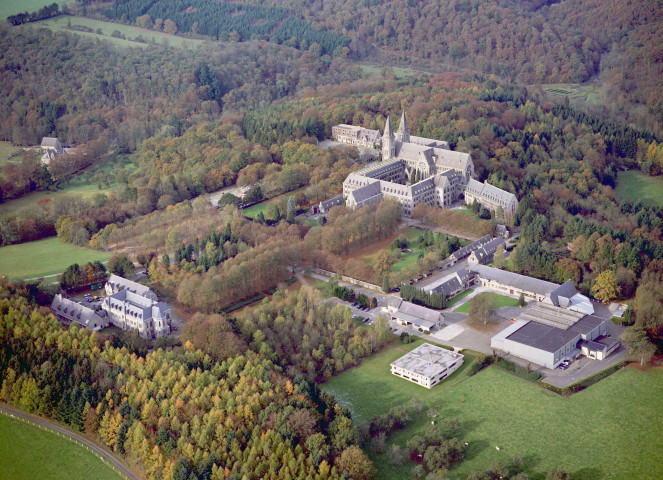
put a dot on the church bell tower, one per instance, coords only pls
(388, 142)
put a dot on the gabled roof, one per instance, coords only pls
(75, 312)
(52, 142)
(418, 311)
(522, 282)
(466, 250)
(332, 202)
(561, 295)
(366, 192)
(118, 283)
(489, 192)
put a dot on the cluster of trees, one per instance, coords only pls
(47, 11)
(24, 175)
(233, 22)
(416, 295)
(208, 252)
(309, 337)
(438, 448)
(136, 93)
(76, 277)
(241, 416)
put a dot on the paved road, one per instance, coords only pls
(107, 456)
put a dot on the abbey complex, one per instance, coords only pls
(416, 170)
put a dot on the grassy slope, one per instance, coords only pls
(500, 301)
(589, 434)
(458, 297)
(78, 188)
(638, 186)
(130, 32)
(406, 259)
(27, 452)
(44, 257)
(12, 7)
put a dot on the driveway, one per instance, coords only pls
(105, 455)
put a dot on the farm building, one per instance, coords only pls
(421, 318)
(427, 365)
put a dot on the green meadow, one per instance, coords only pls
(609, 431)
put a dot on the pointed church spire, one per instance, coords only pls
(388, 141)
(403, 134)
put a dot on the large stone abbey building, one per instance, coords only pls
(418, 170)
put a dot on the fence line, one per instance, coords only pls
(59, 434)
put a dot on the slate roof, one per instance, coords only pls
(118, 283)
(429, 142)
(466, 250)
(75, 312)
(486, 252)
(51, 142)
(561, 295)
(452, 159)
(448, 287)
(366, 192)
(420, 312)
(489, 192)
(332, 202)
(515, 280)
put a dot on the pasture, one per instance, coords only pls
(107, 28)
(9, 7)
(577, 93)
(44, 257)
(500, 301)
(79, 189)
(636, 185)
(405, 258)
(28, 452)
(588, 434)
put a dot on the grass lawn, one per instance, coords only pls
(636, 185)
(9, 7)
(460, 296)
(79, 188)
(6, 149)
(406, 259)
(44, 257)
(578, 93)
(107, 28)
(588, 434)
(500, 301)
(28, 452)
(253, 210)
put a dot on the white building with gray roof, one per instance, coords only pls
(131, 311)
(416, 316)
(491, 197)
(427, 365)
(68, 311)
(547, 335)
(116, 283)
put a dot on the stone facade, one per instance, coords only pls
(413, 170)
(356, 135)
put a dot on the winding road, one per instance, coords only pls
(106, 456)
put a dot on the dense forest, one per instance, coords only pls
(225, 21)
(175, 414)
(127, 95)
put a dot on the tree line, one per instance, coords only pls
(238, 416)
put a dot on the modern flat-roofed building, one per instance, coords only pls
(546, 335)
(427, 365)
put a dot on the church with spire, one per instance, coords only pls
(416, 170)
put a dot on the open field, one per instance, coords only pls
(577, 93)
(500, 301)
(587, 434)
(253, 210)
(78, 188)
(107, 28)
(44, 257)
(9, 7)
(397, 71)
(6, 149)
(27, 452)
(636, 185)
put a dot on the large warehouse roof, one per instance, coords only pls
(551, 315)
